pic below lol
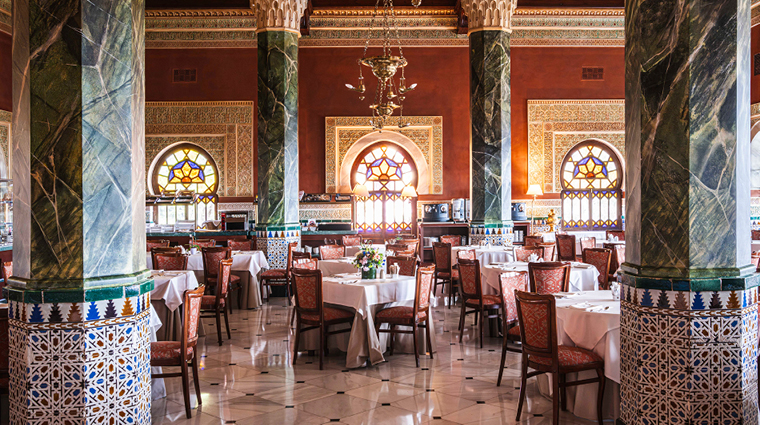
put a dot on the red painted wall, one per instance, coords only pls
(6, 84)
(755, 84)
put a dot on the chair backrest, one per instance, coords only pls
(398, 250)
(549, 249)
(291, 248)
(204, 243)
(351, 240)
(306, 264)
(169, 261)
(425, 277)
(211, 257)
(407, 265)
(534, 240)
(223, 281)
(549, 277)
(756, 259)
(466, 254)
(523, 253)
(620, 251)
(453, 240)
(469, 278)
(509, 283)
(442, 257)
(192, 313)
(160, 243)
(411, 244)
(620, 234)
(332, 252)
(537, 315)
(587, 243)
(599, 258)
(6, 271)
(307, 291)
(240, 245)
(565, 247)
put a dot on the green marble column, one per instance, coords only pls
(491, 137)
(79, 297)
(277, 223)
(689, 312)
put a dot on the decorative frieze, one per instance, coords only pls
(279, 14)
(489, 14)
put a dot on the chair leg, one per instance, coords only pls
(262, 285)
(227, 323)
(451, 292)
(287, 291)
(503, 360)
(563, 392)
(196, 380)
(227, 301)
(185, 389)
(555, 398)
(461, 321)
(414, 341)
(321, 347)
(476, 319)
(219, 326)
(523, 384)
(427, 335)
(297, 340)
(392, 335)
(292, 316)
(482, 325)
(600, 395)
(435, 286)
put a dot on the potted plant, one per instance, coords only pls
(368, 260)
(194, 248)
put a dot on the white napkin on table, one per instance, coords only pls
(588, 307)
(567, 294)
(580, 265)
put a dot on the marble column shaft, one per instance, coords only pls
(490, 97)
(79, 297)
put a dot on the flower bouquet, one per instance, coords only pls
(368, 260)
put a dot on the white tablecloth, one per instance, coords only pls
(246, 264)
(583, 277)
(494, 254)
(598, 331)
(333, 267)
(166, 297)
(352, 250)
(366, 297)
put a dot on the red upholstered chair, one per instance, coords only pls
(279, 277)
(487, 306)
(411, 244)
(240, 245)
(620, 234)
(523, 253)
(6, 271)
(203, 243)
(163, 250)
(214, 305)
(179, 353)
(549, 277)
(416, 316)
(444, 273)
(537, 316)
(618, 257)
(549, 249)
(160, 243)
(407, 265)
(587, 243)
(169, 261)
(211, 258)
(306, 264)
(599, 258)
(399, 250)
(534, 240)
(332, 252)
(351, 240)
(311, 313)
(509, 283)
(466, 254)
(565, 247)
(453, 240)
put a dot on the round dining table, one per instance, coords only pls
(486, 254)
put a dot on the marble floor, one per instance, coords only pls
(251, 380)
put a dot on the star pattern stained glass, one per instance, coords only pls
(187, 169)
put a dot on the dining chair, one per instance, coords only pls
(509, 283)
(332, 252)
(163, 250)
(444, 273)
(486, 306)
(203, 243)
(278, 277)
(534, 240)
(411, 244)
(549, 250)
(549, 277)
(311, 313)
(399, 250)
(523, 253)
(215, 305)
(416, 316)
(351, 240)
(466, 254)
(240, 245)
(453, 240)
(407, 265)
(565, 247)
(620, 256)
(587, 243)
(169, 261)
(599, 258)
(620, 234)
(211, 257)
(6, 271)
(755, 260)
(160, 243)
(302, 262)
(179, 353)
(537, 318)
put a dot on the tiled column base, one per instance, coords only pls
(494, 234)
(274, 240)
(80, 362)
(689, 351)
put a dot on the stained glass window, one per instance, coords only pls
(385, 169)
(187, 168)
(591, 188)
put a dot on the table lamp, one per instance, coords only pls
(408, 192)
(360, 190)
(534, 190)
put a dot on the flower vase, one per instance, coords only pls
(369, 274)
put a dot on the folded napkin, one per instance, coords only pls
(588, 307)
(568, 294)
(580, 265)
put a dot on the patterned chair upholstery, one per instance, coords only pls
(240, 245)
(587, 243)
(466, 254)
(444, 273)
(599, 258)
(160, 243)
(332, 252)
(163, 250)
(169, 261)
(565, 247)
(549, 249)
(306, 264)
(523, 253)
(537, 316)
(534, 240)
(351, 240)
(620, 234)
(6, 271)
(398, 250)
(549, 277)
(204, 243)
(211, 258)
(416, 316)
(509, 283)
(453, 240)
(214, 305)
(180, 353)
(485, 306)
(407, 265)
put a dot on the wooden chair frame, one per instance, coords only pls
(533, 249)
(350, 240)
(534, 240)
(389, 261)
(285, 279)
(251, 245)
(565, 256)
(604, 277)
(548, 266)
(485, 311)
(444, 269)
(326, 247)
(218, 309)
(156, 255)
(453, 240)
(163, 250)
(506, 325)
(160, 243)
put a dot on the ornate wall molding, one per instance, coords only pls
(320, 212)
(345, 137)
(555, 126)
(279, 14)
(489, 14)
(6, 22)
(755, 13)
(224, 129)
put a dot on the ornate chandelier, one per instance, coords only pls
(389, 95)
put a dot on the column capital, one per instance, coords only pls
(279, 15)
(489, 14)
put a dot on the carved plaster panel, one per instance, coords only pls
(279, 14)
(489, 14)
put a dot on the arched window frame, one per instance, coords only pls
(385, 228)
(592, 208)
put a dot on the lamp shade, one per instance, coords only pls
(409, 192)
(361, 190)
(535, 189)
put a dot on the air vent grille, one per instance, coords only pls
(185, 76)
(592, 73)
